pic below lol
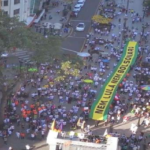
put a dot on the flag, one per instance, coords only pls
(105, 133)
(79, 122)
(53, 125)
(61, 127)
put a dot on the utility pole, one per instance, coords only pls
(125, 23)
(127, 6)
(143, 28)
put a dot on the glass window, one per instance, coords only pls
(5, 2)
(16, 11)
(6, 12)
(16, 1)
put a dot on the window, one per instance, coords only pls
(5, 2)
(16, 11)
(16, 1)
(6, 12)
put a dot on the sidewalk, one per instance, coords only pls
(57, 17)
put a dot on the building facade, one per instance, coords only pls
(16, 8)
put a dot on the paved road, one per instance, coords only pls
(75, 41)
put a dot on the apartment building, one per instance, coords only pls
(18, 8)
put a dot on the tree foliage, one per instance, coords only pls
(100, 19)
(68, 69)
(147, 3)
(15, 34)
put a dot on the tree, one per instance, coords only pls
(68, 69)
(146, 3)
(15, 34)
(100, 19)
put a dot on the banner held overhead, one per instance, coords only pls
(100, 107)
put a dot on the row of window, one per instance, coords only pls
(16, 12)
(6, 2)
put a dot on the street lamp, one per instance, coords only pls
(27, 66)
(139, 119)
(20, 65)
(144, 11)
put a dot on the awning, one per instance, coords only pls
(30, 20)
(40, 16)
(47, 24)
(57, 26)
(105, 60)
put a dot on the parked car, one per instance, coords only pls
(80, 27)
(74, 14)
(77, 7)
(81, 3)
(4, 55)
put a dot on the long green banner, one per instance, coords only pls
(100, 107)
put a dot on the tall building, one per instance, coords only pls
(18, 8)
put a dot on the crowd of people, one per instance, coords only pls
(40, 99)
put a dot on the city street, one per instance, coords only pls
(75, 40)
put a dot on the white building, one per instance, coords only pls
(76, 144)
(19, 8)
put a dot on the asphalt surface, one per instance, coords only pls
(75, 41)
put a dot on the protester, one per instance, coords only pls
(41, 99)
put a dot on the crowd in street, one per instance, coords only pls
(40, 99)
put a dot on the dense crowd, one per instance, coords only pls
(40, 100)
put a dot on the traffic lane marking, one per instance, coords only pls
(80, 37)
(66, 49)
(73, 43)
(80, 20)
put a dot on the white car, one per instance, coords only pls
(77, 7)
(80, 3)
(80, 27)
(4, 55)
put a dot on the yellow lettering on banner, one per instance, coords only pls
(109, 89)
(116, 78)
(101, 107)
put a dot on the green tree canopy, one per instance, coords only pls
(147, 3)
(15, 34)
